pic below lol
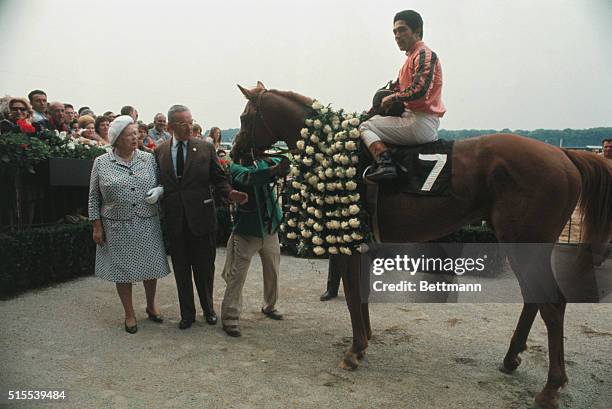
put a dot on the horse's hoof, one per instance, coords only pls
(510, 365)
(349, 363)
(547, 399)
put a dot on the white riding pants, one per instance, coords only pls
(412, 128)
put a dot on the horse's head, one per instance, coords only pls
(270, 116)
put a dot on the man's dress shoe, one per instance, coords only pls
(211, 319)
(184, 324)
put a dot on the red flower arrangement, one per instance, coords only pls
(25, 126)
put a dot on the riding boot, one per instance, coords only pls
(383, 169)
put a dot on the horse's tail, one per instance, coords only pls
(596, 196)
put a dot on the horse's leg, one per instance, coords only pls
(518, 343)
(351, 283)
(365, 309)
(365, 313)
(553, 314)
(521, 215)
(536, 278)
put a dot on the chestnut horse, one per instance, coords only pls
(526, 189)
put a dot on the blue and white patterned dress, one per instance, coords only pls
(134, 248)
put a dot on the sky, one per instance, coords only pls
(517, 64)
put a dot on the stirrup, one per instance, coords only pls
(387, 172)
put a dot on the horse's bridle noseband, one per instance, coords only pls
(259, 115)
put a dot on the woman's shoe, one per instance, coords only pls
(155, 318)
(131, 330)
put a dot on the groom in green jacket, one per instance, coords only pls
(255, 231)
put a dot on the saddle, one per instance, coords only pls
(423, 170)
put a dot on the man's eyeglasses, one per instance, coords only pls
(183, 124)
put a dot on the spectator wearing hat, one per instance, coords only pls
(123, 194)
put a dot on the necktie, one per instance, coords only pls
(180, 160)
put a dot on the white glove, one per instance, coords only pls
(154, 195)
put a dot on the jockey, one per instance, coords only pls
(419, 87)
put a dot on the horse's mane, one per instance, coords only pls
(294, 96)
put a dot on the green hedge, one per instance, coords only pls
(39, 257)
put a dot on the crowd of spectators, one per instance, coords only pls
(36, 114)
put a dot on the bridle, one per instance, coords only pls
(256, 154)
(259, 116)
(252, 135)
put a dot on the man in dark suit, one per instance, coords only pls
(189, 167)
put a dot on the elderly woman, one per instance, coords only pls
(123, 192)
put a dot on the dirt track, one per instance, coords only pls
(421, 356)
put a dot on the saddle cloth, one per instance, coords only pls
(422, 169)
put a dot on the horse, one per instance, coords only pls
(508, 180)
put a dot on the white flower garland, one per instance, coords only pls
(73, 142)
(326, 214)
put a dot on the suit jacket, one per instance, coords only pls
(191, 197)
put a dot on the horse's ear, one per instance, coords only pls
(260, 85)
(248, 94)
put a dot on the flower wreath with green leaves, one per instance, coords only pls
(326, 214)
